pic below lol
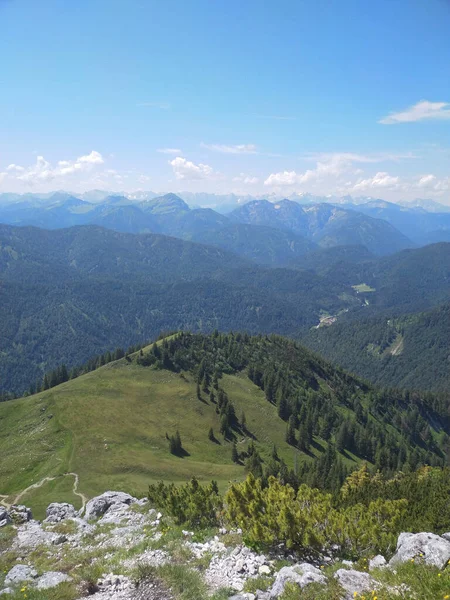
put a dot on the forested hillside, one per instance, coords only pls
(67, 295)
(214, 406)
(410, 351)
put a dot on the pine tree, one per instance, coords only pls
(224, 426)
(275, 453)
(45, 383)
(290, 433)
(199, 394)
(234, 453)
(215, 381)
(211, 435)
(283, 408)
(243, 421)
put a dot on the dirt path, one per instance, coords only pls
(75, 491)
(39, 484)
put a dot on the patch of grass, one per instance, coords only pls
(231, 539)
(58, 490)
(66, 527)
(64, 591)
(314, 591)
(203, 562)
(222, 594)
(413, 580)
(184, 582)
(7, 534)
(262, 582)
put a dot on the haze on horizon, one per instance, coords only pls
(294, 97)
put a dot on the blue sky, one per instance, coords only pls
(320, 96)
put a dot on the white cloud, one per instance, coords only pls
(94, 158)
(283, 178)
(16, 168)
(3, 176)
(236, 149)
(333, 165)
(426, 180)
(42, 171)
(423, 110)
(379, 180)
(169, 151)
(248, 179)
(185, 169)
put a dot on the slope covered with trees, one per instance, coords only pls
(67, 295)
(410, 351)
(218, 405)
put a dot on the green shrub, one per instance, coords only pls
(191, 504)
(308, 521)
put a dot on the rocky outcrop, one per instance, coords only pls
(51, 579)
(126, 535)
(31, 535)
(20, 513)
(354, 582)
(231, 568)
(377, 562)
(58, 511)
(100, 504)
(20, 574)
(5, 518)
(427, 547)
(301, 574)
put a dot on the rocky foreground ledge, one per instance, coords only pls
(120, 548)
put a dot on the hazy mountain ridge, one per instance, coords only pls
(382, 227)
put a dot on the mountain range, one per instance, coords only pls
(67, 294)
(324, 225)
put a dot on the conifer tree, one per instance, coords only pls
(234, 453)
(290, 432)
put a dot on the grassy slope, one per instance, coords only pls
(109, 427)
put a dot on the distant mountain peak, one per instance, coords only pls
(165, 204)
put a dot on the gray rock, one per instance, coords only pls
(264, 570)
(377, 562)
(117, 513)
(58, 511)
(20, 513)
(6, 591)
(429, 548)
(31, 535)
(354, 581)
(5, 519)
(51, 579)
(19, 574)
(59, 540)
(100, 504)
(301, 574)
(245, 596)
